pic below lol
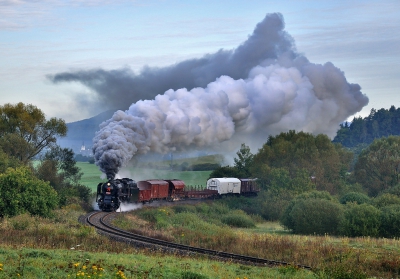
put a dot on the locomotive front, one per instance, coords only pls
(111, 193)
(107, 196)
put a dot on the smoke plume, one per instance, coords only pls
(117, 89)
(259, 89)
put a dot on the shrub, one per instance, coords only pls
(317, 216)
(286, 218)
(238, 221)
(386, 200)
(21, 222)
(360, 220)
(22, 192)
(390, 221)
(358, 198)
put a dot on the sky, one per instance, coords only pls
(41, 39)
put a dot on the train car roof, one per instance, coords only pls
(225, 179)
(178, 184)
(153, 181)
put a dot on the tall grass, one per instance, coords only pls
(61, 247)
(331, 257)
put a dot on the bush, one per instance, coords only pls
(286, 218)
(238, 220)
(358, 198)
(22, 192)
(315, 216)
(386, 200)
(360, 220)
(390, 221)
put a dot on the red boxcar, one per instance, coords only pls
(153, 189)
(176, 189)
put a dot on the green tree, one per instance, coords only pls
(316, 156)
(315, 216)
(58, 167)
(244, 160)
(22, 192)
(25, 132)
(378, 165)
(358, 198)
(390, 221)
(360, 220)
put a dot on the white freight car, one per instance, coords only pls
(224, 185)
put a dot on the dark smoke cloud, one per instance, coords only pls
(261, 88)
(116, 89)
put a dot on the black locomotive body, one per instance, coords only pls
(112, 193)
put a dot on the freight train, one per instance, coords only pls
(112, 193)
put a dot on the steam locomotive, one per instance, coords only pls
(112, 193)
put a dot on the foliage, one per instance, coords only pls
(378, 166)
(286, 217)
(244, 160)
(314, 216)
(313, 156)
(25, 132)
(238, 219)
(360, 220)
(225, 171)
(7, 161)
(23, 192)
(358, 198)
(390, 221)
(379, 123)
(385, 199)
(58, 167)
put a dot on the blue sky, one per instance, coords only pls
(40, 38)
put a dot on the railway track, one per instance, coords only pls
(100, 220)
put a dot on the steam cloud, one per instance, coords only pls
(261, 88)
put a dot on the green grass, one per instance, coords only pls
(92, 175)
(60, 247)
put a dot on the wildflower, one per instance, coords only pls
(77, 264)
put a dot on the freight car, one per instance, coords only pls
(113, 192)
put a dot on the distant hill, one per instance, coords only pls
(82, 132)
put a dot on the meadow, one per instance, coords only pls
(61, 247)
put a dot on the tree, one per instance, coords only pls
(315, 216)
(315, 156)
(378, 165)
(25, 132)
(22, 192)
(244, 160)
(58, 167)
(360, 220)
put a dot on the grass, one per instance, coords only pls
(60, 247)
(331, 257)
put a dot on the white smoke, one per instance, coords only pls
(279, 94)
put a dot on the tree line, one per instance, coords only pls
(363, 131)
(36, 175)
